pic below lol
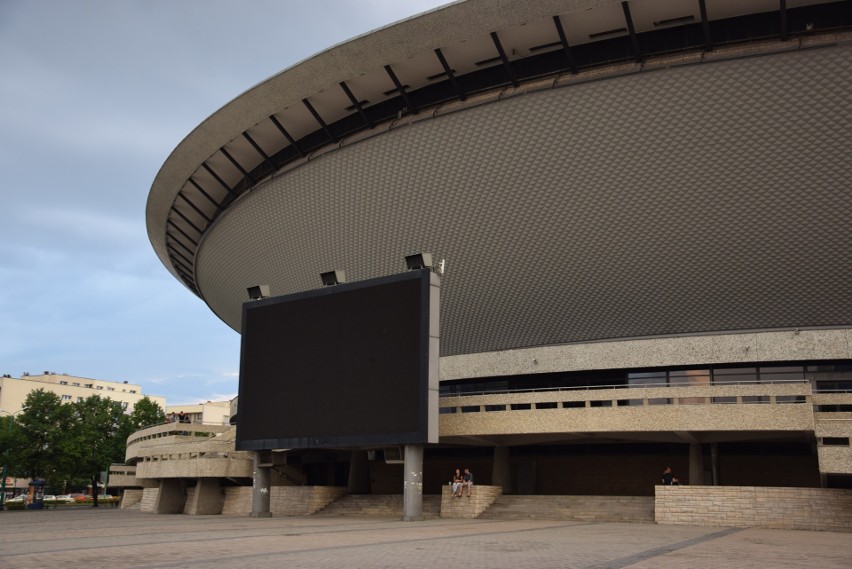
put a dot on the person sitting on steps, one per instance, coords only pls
(457, 482)
(467, 482)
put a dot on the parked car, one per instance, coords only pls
(19, 498)
(64, 498)
(49, 498)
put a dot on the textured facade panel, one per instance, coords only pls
(698, 199)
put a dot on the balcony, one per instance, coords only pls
(168, 433)
(187, 450)
(833, 413)
(649, 412)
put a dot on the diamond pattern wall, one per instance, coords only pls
(713, 197)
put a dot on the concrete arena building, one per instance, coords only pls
(644, 209)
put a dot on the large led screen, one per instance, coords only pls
(343, 366)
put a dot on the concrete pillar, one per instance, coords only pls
(501, 474)
(171, 497)
(260, 488)
(359, 473)
(714, 462)
(696, 464)
(208, 497)
(412, 493)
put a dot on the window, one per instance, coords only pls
(76, 384)
(132, 391)
(735, 375)
(755, 399)
(834, 408)
(63, 383)
(89, 385)
(100, 387)
(79, 399)
(725, 400)
(831, 378)
(777, 374)
(110, 388)
(646, 379)
(66, 398)
(689, 377)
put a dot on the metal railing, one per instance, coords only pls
(574, 388)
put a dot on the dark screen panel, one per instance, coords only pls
(341, 366)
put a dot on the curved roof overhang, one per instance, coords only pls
(449, 54)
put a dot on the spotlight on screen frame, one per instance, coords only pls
(418, 261)
(258, 292)
(332, 278)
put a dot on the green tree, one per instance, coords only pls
(97, 437)
(146, 413)
(10, 434)
(40, 435)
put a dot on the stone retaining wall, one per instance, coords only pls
(149, 500)
(755, 506)
(302, 500)
(131, 498)
(237, 501)
(283, 500)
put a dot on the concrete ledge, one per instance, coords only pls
(755, 506)
(468, 507)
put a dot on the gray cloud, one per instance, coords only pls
(94, 97)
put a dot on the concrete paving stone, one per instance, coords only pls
(94, 538)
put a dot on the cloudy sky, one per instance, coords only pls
(94, 95)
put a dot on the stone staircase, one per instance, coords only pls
(378, 505)
(586, 508)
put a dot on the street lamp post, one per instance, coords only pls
(6, 461)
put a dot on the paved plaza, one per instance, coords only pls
(89, 538)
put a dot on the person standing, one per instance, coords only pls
(668, 477)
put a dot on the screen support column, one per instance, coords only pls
(260, 488)
(412, 495)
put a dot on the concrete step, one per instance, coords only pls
(588, 508)
(377, 505)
